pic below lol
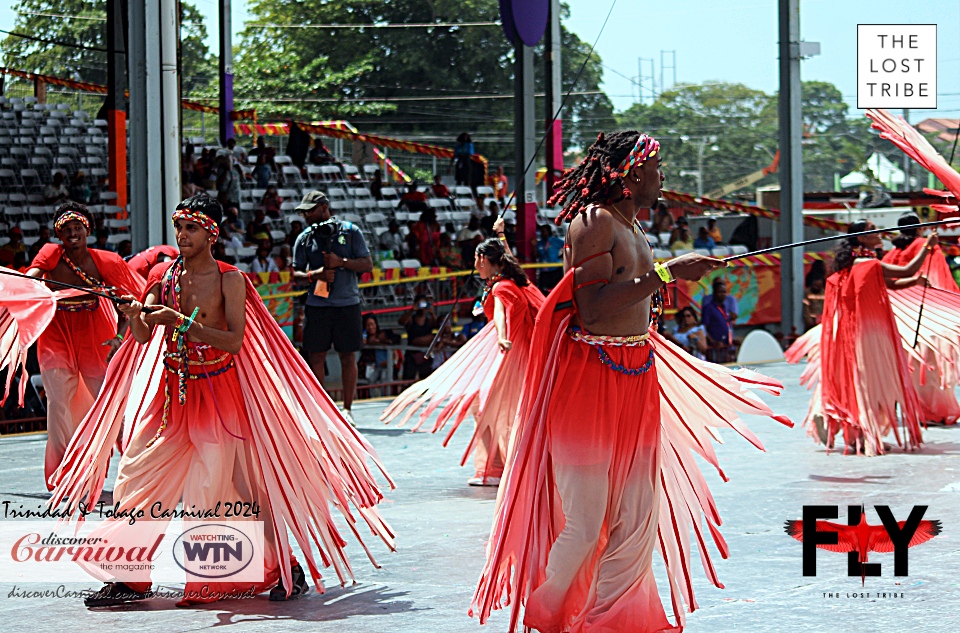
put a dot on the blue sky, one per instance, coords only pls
(735, 41)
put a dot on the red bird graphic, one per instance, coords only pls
(863, 538)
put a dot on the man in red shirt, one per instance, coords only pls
(440, 190)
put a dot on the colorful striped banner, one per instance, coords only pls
(762, 212)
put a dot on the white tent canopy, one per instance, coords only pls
(883, 170)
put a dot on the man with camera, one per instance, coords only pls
(329, 255)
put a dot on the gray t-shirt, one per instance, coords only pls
(308, 253)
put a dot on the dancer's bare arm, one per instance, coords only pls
(891, 271)
(500, 322)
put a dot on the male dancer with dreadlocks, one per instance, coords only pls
(236, 416)
(74, 349)
(601, 470)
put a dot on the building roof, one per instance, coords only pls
(945, 129)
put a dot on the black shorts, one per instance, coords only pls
(341, 327)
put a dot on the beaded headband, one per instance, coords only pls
(200, 218)
(70, 216)
(646, 147)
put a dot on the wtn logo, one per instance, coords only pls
(221, 551)
(858, 538)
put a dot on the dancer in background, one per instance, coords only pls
(485, 376)
(75, 348)
(601, 471)
(236, 415)
(934, 384)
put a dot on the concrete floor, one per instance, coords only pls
(442, 525)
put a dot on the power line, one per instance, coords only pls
(376, 25)
(385, 99)
(55, 42)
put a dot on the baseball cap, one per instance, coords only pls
(312, 199)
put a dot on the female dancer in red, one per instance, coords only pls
(485, 376)
(934, 384)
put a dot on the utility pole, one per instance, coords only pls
(906, 159)
(553, 98)
(791, 167)
(116, 99)
(226, 72)
(525, 187)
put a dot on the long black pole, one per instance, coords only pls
(840, 237)
(456, 304)
(923, 298)
(86, 289)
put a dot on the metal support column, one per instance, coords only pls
(525, 143)
(116, 100)
(554, 91)
(791, 168)
(226, 72)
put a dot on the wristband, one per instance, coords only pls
(119, 337)
(663, 272)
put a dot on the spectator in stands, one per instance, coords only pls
(719, 315)
(500, 185)
(79, 189)
(102, 236)
(261, 149)
(19, 262)
(258, 229)
(662, 220)
(125, 248)
(447, 344)
(189, 158)
(43, 239)
(239, 154)
(419, 322)
(439, 189)
(462, 155)
(9, 250)
(678, 227)
(813, 295)
(271, 202)
(475, 325)
(376, 185)
(262, 262)
(187, 188)
(228, 183)
(493, 210)
(714, 231)
(689, 333)
(413, 199)
(232, 221)
(220, 254)
(202, 169)
(549, 251)
(284, 259)
(330, 256)
(703, 239)
(448, 254)
(319, 154)
(296, 228)
(469, 238)
(374, 364)
(56, 192)
(392, 240)
(682, 240)
(427, 234)
(262, 173)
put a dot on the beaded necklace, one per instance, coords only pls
(862, 252)
(478, 306)
(87, 279)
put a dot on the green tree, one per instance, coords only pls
(81, 26)
(420, 83)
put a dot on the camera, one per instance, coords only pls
(328, 228)
(423, 305)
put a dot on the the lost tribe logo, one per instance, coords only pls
(213, 551)
(858, 538)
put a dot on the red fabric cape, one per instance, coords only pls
(309, 456)
(26, 308)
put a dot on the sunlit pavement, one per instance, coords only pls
(442, 524)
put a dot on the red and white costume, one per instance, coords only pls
(934, 384)
(480, 379)
(254, 427)
(26, 309)
(618, 450)
(71, 351)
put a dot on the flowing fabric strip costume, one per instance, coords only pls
(26, 309)
(479, 378)
(304, 455)
(650, 477)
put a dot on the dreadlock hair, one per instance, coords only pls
(843, 258)
(76, 207)
(493, 249)
(204, 204)
(906, 236)
(597, 179)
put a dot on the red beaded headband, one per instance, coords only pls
(70, 216)
(200, 218)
